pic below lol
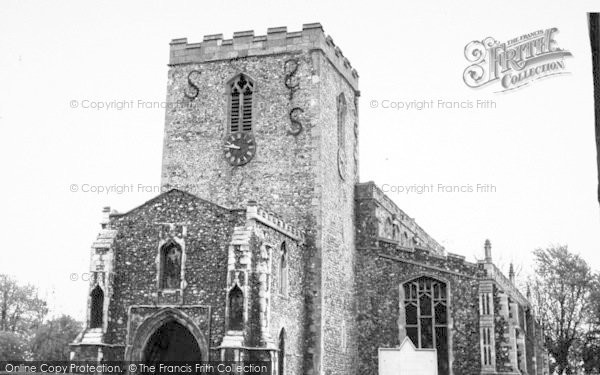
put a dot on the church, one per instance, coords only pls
(265, 245)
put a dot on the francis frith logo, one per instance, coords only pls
(514, 63)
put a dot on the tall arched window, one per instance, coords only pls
(96, 307)
(240, 110)
(283, 271)
(236, 309)
(170, 265)
(341, 120)
(281, 362)
(426, 310)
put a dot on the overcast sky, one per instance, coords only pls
(536, 147)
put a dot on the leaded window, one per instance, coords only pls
(487, 346)
(486, 304)
(426, 311)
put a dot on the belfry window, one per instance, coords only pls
(170, 266)
(236, 309)
(96, 307)
(426, 309)
(240, 110)
(283, 271)
(341, 120)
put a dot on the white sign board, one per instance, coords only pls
(407, 360)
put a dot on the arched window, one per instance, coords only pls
(341, 120)
(426, 311)
(281, 362)
(388, 228)
(283, 271)
(170, 265)
(240, 110)
(97, 307)
(236, 309)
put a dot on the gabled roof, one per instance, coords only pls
(169, 193)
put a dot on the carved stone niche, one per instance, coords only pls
(100, 259)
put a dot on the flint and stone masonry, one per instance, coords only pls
(267, 247)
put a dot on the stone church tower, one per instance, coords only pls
(273, 119)
(264, 245)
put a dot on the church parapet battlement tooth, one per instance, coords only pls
(277, 40)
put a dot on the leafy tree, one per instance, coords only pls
(51, 340)
(562, 290)
(21, 310)
(590, 352)
(12, 347)
(21, 313)
(590, 345)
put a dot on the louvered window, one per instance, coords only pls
(241, 105)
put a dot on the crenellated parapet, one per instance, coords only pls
(278, 40)
(254, 212)
(379, 217)
(451, 264)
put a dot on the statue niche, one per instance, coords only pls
(170, 265)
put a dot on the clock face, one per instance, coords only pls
(239, 148)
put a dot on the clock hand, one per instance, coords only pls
(229, 145)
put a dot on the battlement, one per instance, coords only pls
(277, 41)
(253, 212)
(449, 263)
(370, 191)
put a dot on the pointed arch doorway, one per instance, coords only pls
(172, 342)
(167, 335)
